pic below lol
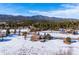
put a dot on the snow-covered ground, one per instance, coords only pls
(18, 46)
(58, 34)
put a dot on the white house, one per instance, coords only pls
(22, 30)
(12, 31)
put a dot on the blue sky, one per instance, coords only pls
(62, 10)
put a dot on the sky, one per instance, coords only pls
(62, 10)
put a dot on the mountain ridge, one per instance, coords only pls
(4, 17)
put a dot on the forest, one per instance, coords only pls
(43, 24)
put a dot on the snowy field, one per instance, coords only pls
(18, 46)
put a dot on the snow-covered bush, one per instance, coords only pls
(25, 35)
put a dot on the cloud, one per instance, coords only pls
(69, 5)
(64, 11)
(73, 12)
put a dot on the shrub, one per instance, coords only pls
(7, 32)
(48, 36)
(14, 31)
(25, 35)
(44, 40)
(67, 40)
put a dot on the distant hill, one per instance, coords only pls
(35, 18)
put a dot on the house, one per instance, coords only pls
(62, 30)
(3, 32)
(21, 31)
(12, 31)
(76, 32)
(70, 31)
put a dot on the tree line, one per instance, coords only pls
(43, 24)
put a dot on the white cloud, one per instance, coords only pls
(64, 13)
(69, 5)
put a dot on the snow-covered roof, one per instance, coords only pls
(3, 30)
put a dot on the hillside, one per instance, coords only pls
(35, 17)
